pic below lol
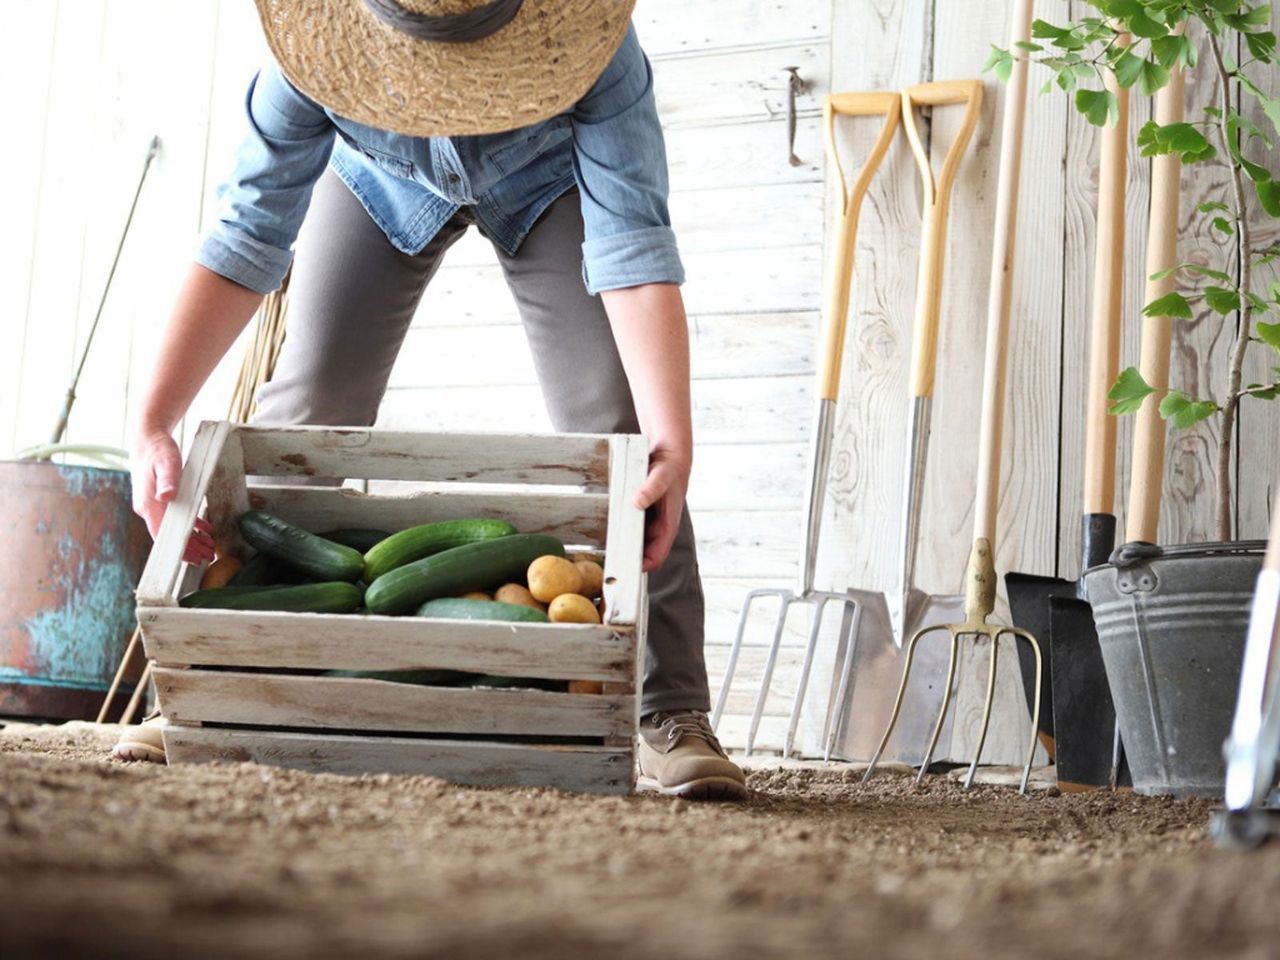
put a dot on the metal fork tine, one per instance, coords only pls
(946, 702)
(732, 666)
(986, 709)
(837, 706)
(897, 703)
(820, 602)
(1035, 711)
(763, 695)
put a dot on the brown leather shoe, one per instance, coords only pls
(681, 757)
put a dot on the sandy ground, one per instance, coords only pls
(103, 859)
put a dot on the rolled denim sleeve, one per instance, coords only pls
(620, 163)
(262, 204)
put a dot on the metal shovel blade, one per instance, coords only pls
(1089, 753)
(863, 701)
(1029, 599)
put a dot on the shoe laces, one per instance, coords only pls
(692, 723)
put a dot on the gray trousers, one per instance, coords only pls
(351, 300)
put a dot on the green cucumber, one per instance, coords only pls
(322, 559)
(261, 570)
(456, 608)
(335, 597)
(427, 539)
(357, 538)
(475, 566)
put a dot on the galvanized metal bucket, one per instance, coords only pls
(71, 552)
(1172, 623)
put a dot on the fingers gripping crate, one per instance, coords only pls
(234, 684)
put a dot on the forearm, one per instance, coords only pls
(652, 333)
(210, 313)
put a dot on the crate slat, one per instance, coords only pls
(315, 641)
(624, 579)
(572, 460)
(576, 518)
(479, 763)
(344, 703)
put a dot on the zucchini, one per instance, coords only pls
(426, 539)
(322, 559)
(358, 538)
(335, 597)
(456, 608)
(473, 566)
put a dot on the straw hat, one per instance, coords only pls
(444, 67)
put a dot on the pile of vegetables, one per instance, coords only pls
(475, 569)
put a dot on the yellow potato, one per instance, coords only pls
(515, 594)
(476, 595)
(586, 686)
(592, 578)
(551, 576)
(220, 572)
(572, 608)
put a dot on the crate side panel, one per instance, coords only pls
(359, 453)
(238, 638)
(359, 704)
(574, 518)
(476, 763)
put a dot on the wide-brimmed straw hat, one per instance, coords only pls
(444, 67)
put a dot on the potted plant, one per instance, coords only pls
(1171, 621)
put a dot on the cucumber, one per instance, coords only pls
(427, 539)
(358, 538)
(322, 559)
(261, 570)
(455, 608)
(474, 566)
(335, 597)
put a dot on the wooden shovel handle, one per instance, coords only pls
(937, 204)
(840, 281)
(1272, 561)
(1108, 300)
(1143, 519)
(1000, 291)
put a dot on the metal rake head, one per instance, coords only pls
(786, 600)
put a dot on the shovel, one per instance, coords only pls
(868, 670)
(888, 106)
(980, 576)
(1074, 695)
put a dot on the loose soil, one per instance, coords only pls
(105, 859)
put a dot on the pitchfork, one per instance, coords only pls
(889, 106)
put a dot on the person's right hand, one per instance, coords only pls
(156, 465)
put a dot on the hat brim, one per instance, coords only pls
(538, 65)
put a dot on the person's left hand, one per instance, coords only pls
(661, 496)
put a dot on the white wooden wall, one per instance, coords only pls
(87, 82)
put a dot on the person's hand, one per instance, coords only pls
(156, 465)
(661, 496)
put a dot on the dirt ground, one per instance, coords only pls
(102, 859)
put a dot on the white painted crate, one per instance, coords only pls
(223, 677)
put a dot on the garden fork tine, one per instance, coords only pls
(889, 106)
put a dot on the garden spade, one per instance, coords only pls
(888, 106)
(980, 576)
(909, 607)
(867, 672)
(1077, 718)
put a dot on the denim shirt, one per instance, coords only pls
(609, 143)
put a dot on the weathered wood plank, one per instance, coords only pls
(313, 641)
(576, 518)
(586, 768)
(743, 154)
(624, 579)
(576, 460)
(748, 476)
(754, 544)
(674, 27)
(344, 703)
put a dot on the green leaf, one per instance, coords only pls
(1028, 46)
(1128, 392)
(1268, 391)
(1222, 300)
(1098, 106)
(1271, 107)
(1224, 225)
(1174, 51)
(1262, 45)
(1183, 412)
(1269, 196)
(1141, 25)
(1180, 138)
(1197, 268)
(1212, 205)
(1001, 62)
(1170, 305)
(1269, 333)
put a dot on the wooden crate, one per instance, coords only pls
(227, 681)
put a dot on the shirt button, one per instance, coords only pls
(454, 178)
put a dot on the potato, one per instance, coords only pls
(515, 594)
(586, 686)
(550, 576)
(592, 578)
(475, 595)
(572, 608)
(220, 572)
